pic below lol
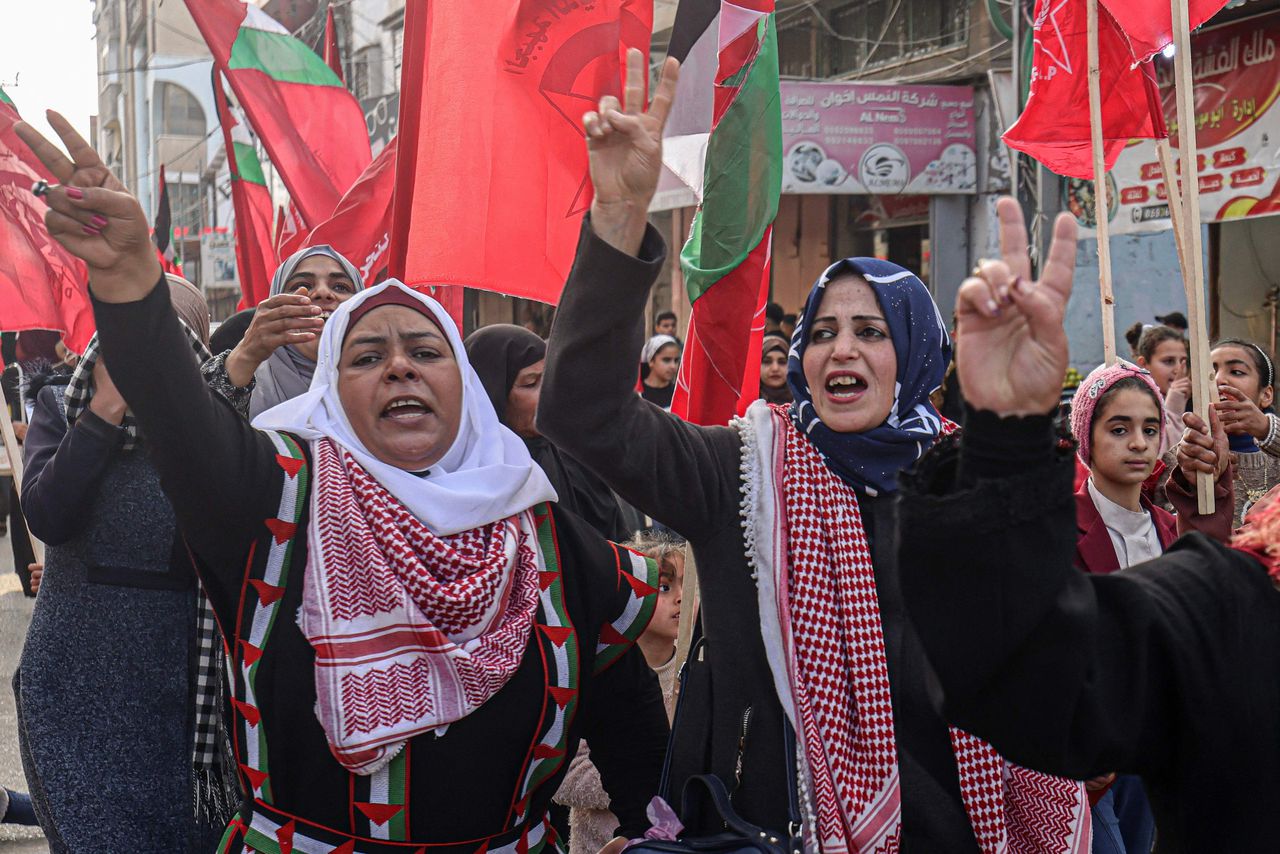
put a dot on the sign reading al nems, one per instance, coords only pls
(866, 138)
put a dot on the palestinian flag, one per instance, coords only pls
(251, 201)
(163, 231)
(726, 259)
(312, 128)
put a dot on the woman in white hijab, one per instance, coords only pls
(276, 357)
(419, 636)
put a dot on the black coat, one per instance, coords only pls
(1170, 669)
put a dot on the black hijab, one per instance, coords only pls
(498, 354)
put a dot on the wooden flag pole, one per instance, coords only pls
(1202, 390)
(15, 462)
(1101, 204)
(1169, 170)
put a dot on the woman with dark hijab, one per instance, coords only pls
(773, 368)
(509, 360)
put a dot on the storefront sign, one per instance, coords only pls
(878, 139)
(1237, 80)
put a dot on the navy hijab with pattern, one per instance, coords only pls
(870, 461)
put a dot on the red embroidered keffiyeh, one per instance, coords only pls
(411, 631)
(820, 615)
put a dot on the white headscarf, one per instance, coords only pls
(655, 344)
(486, 475)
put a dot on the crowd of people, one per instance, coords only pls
(333, 578)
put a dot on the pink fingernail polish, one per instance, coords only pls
(75, 193)
(91, 231)
(99, 220)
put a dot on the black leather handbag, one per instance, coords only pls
(739, 835)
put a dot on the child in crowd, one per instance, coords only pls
(591, 824)
(661, 357)
(1245, 376)
(1117, 417)
(1162, 350)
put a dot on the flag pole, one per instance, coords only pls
(15, 462)
(1101, 204)
(1203, 392)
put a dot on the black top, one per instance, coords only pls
(688, 478)
(1170, 669)
(226, 484)
(658, 396)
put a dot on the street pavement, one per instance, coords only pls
(15, 613)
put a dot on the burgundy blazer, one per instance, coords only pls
(1094, 552)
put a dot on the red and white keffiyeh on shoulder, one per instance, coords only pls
(421, 587)
(820, 617)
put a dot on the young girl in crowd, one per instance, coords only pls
(773, 369)
(1246, 378)
(591, 823)
(1116, 418)
(1162, 350)
(661, 355)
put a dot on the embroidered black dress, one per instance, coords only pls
(242, 500)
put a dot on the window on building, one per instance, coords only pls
(832, 38)
(177, 112)
(397, 52)
(367, 75)
(185, 203)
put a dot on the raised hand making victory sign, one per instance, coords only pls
(1011, 345)
(625, 147)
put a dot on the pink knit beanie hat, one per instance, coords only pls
(1098, 383)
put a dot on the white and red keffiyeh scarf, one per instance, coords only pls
(820, 617)
(412, 631)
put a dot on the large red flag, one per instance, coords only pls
(251, 200)
(360, 228)
(312, 127)
(42, 286)
(1054, 126)
(1148, 24)
(492, 177)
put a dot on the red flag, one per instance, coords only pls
(42, 286)
(290, 232)
(360, 228)
(1148, 24)
(255, 256)
(312, 127)
(1054, 126)
(332, 55)
(492, 179)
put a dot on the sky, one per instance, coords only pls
(47, 60)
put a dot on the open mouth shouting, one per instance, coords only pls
(844, 387)
(406, 409)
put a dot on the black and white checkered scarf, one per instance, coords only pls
(215, 789)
